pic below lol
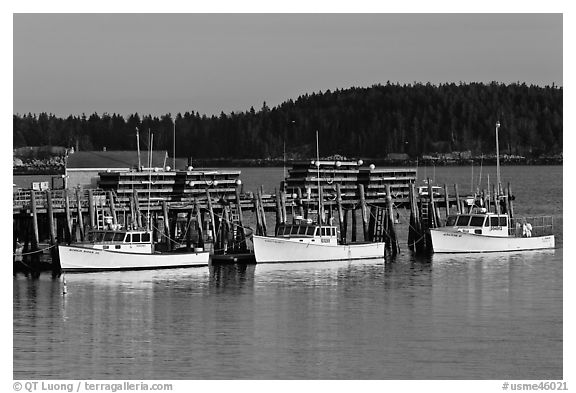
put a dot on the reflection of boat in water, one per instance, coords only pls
(124, 250)
(494, 258)
(489, 232)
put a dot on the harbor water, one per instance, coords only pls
(475, 316)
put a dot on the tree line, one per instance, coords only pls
(415, 119)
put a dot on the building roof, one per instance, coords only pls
(115, 159)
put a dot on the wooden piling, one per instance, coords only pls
(354, 226)
(283, 206)
(278, 214)
(510, 202)
(340, 214)
(67, 212)
(391, 230)
(432, 223)
(199, 224)
(458, 202)
(133, 222)
(52, 230)
(137, 209)
(113, 208)
(212, 226)
(412, 221)
(240, 229)
(50, 213)
(259, 231)
(91, 212)
(34, 211)
(364, 212)
(446, 200)
(299, 202)
(167, 234)
(345, 226)
(262, 213)
(189, 229)
(80, 217)
(225, 229)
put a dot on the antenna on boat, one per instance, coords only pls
(138, 148)
(472, 177)
(497, 158)
(480, 176)
(174, 146)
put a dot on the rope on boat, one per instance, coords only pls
(34, 252)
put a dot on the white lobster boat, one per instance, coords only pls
(304, 242)
(124, 250)
(486, 232)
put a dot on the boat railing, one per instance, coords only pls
(538, 226)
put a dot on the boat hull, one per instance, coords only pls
(458, 242)
(278, 250)
(82, 259)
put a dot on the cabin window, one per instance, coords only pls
(301, 230)
(462, 221)
(494, 222)
(310, 231)
(477, 221)
(333, 231)
(146, 237)
(503, 221)
(97, 236)
(108, 236)
(294, 230)
(451, 221)
(118, 236)
(128, 238)
(135, 238)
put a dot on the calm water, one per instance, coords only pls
(496, 316)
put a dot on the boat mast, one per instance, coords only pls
(138, 148)
(318, 178)
(497, 160)
(149, 227)
(174, 147)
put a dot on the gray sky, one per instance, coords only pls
(168, 63)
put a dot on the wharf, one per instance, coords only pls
(215, 211)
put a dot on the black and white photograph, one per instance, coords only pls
(271, 196)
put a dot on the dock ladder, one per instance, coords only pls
(379, 228)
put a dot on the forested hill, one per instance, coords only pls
(356, 122)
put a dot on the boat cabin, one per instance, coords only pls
(480, 223)
(310, 233)
(125, 241)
